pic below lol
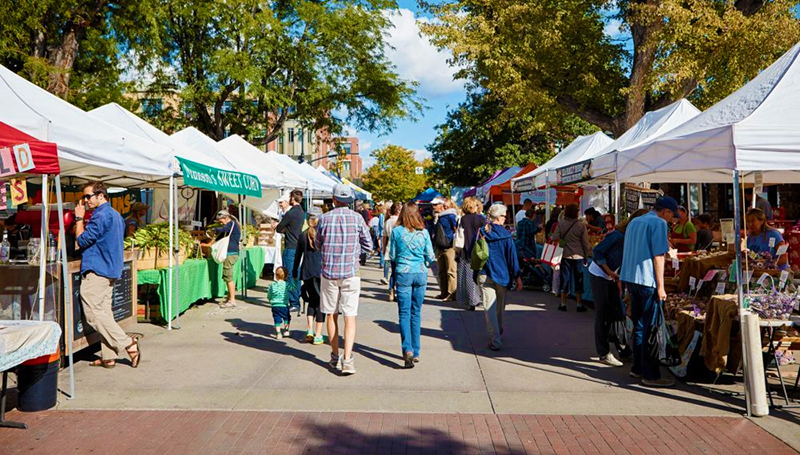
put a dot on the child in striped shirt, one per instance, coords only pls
(279, 300)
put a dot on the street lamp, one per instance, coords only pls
(302, 147)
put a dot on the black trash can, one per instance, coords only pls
(37, 383)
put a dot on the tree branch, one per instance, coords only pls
(593, 116)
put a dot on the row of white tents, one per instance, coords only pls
(752, 132)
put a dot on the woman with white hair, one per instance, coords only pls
(500, 274)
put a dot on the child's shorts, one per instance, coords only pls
(281, 315)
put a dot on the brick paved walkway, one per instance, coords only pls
(112, 432)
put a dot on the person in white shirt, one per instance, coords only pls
(388, 267)
(521, 214)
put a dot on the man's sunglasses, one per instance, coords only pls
(86, 197)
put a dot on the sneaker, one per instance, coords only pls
(335, 362)
(318, 341)
(471, 308)
(450, 298)
(349, 366)
(582, 309)
(227, 304)
(391, 295)
(610, 360)
(310, 336)
(409, 359)
(562, 308)
(287, 333)
(416, 359)
(663, 382)
(384, 280)
(635, 375)
(279, 335)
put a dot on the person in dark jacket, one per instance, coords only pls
(311, 258)
(467, 291)
(291, 227)
(500, 274)
(445, 253)
(526, 235)
(607, 290)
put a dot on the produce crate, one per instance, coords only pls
(157, 259)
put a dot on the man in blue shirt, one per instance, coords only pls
(646, 244)
(100, 241)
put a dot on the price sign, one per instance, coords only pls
(753, 255)
(720, 288)
(784, 277)
(692, 282)
(772, 242)
(710, 275)
(676, 264)
(722, 275)
(762, 279)
(781, 249)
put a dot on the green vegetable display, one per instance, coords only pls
(156, 236)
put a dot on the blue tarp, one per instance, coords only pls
(427, 195)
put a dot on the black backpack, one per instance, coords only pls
(440, 238)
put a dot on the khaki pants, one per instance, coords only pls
(448, 269)
(494, 304)
(96, 293)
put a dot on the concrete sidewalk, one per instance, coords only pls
(229, 360)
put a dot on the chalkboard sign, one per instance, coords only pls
(121, 304)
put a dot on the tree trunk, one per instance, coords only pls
(644, 56)
(62, 58)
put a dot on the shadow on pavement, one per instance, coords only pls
(344, 438)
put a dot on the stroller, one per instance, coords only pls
(536, 275)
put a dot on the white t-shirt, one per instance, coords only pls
(520, 215)
(388, 225)
(373, 223)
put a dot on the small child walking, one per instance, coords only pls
(279, 300)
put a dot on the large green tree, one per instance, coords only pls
(471, 145)
(548, 58)
(72, 47)
(393, 176)
(247, 66)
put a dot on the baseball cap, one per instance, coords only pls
(343, 193)
(223, 214)
(437, 200)
(668, 203)
(284, 197)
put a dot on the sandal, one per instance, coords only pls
(109, 364)
(136, 355)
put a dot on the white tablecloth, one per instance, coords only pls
(21, 341)
(272, 254)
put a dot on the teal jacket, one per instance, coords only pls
(411, 251)
(277, 293)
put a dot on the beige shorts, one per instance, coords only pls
(340, 294)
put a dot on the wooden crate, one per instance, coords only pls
(157, 259)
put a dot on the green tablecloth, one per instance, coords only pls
(201, 279)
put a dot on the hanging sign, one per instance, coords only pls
(523, 185)
(574, 173)
(22, 153)
(6, 163)
(782, 250)
(211, 178)
(759, 188)
(19, 192)
(540, 196)
(3, 197)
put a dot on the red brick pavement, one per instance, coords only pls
(177, 432)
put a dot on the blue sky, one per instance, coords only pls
(416, 60)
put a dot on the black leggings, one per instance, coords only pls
(310, 292)
(607, 310)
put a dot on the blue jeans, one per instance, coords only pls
(410, 294)
(293, 294)
(644, 302)
(281, 316)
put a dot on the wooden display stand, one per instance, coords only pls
(123, 305)
(266, 235)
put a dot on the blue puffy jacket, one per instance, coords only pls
(502, 266)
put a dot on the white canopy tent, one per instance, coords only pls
(89, 148)
(575, 152)
(329, 183)
(318, 182)
(753, 129)
(652, 125)
(246, 156)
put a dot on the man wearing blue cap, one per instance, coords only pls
(646, 244)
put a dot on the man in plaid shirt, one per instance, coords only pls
(342, 235)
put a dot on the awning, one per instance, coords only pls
(21, 153)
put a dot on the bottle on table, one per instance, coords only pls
(5, 249)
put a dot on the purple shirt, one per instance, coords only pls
(342, 235)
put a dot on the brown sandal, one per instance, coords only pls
(136, 355)
(103, 363)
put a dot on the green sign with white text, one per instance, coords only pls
(211, 178)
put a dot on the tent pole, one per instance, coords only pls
(170, 275)
(546, 193)
(244, 233)
(43, 247)
(617, 195)
(513, 213)
(176, 253)
(737, 215)
(65, 279)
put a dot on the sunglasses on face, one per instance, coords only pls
(86, 197)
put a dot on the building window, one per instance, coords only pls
(346, 165)
(151, 107)
(226, 107)
(348, 148)
(291, 134)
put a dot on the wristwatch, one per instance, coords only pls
(78, 218)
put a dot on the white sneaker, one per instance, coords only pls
(609, 359)
(349, 365)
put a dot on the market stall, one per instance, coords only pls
(750, 134)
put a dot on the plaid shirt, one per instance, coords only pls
(342, 236)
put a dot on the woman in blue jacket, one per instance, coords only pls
(500, 274)
(412, 253)
(607, 290)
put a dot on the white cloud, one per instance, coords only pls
(364, 146)
(613, 28)
(417, 59)
(422, 154)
